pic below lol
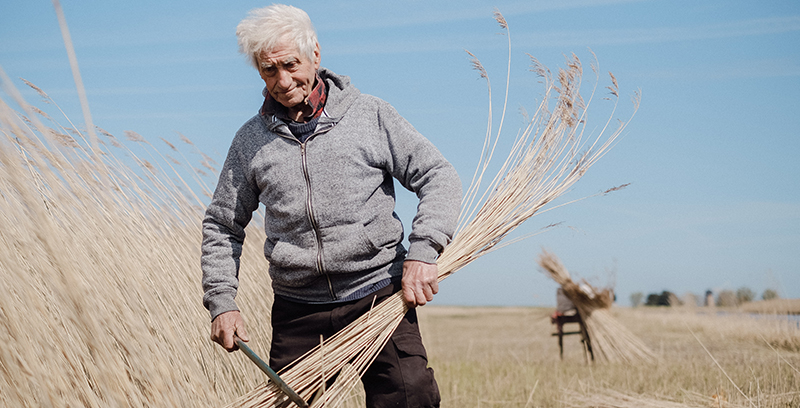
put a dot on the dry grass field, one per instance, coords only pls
(773, 306)
(506, 357)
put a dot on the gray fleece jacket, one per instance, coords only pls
(330, 223)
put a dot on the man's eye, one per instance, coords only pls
(268, 70)
(290, 65)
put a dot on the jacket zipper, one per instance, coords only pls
(313, 221)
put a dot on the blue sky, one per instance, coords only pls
(712, 154)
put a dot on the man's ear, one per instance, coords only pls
(317, 56)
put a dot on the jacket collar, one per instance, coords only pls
(340, 96)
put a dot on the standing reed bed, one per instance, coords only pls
(547, 158)
(99, 257)
(781, 332)
(773, 306)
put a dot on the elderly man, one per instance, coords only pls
(322, 158)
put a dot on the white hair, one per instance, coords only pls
(264, 28)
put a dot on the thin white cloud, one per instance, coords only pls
(578, 38)
(132, 91)
(169, 90)
(743, 216)
(174, 115)
(651, 35)
(427, 13)
(764, 68)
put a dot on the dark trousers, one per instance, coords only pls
(399, 376)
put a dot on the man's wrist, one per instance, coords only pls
(422, 251)
(221, 304)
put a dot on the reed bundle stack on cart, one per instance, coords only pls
(547, 158)
(611, 341)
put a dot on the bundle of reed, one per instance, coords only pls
(548, 157)
(611, 341)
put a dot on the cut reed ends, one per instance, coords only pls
(611, 341)
(550, 154)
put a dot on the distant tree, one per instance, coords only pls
(690, 299)
(666, 298)
(636, 299)
(726, 298)
(769, 294)
(744, 295)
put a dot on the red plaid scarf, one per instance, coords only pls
(316, 100)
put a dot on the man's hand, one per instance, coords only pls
(225, 326)
(420, 282)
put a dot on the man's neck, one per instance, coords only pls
(300, 112)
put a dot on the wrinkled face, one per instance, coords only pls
(288, 74)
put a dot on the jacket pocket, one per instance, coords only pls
(288, 255)
(384, 232)
(347, 247)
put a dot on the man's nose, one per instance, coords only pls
(284, 79)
